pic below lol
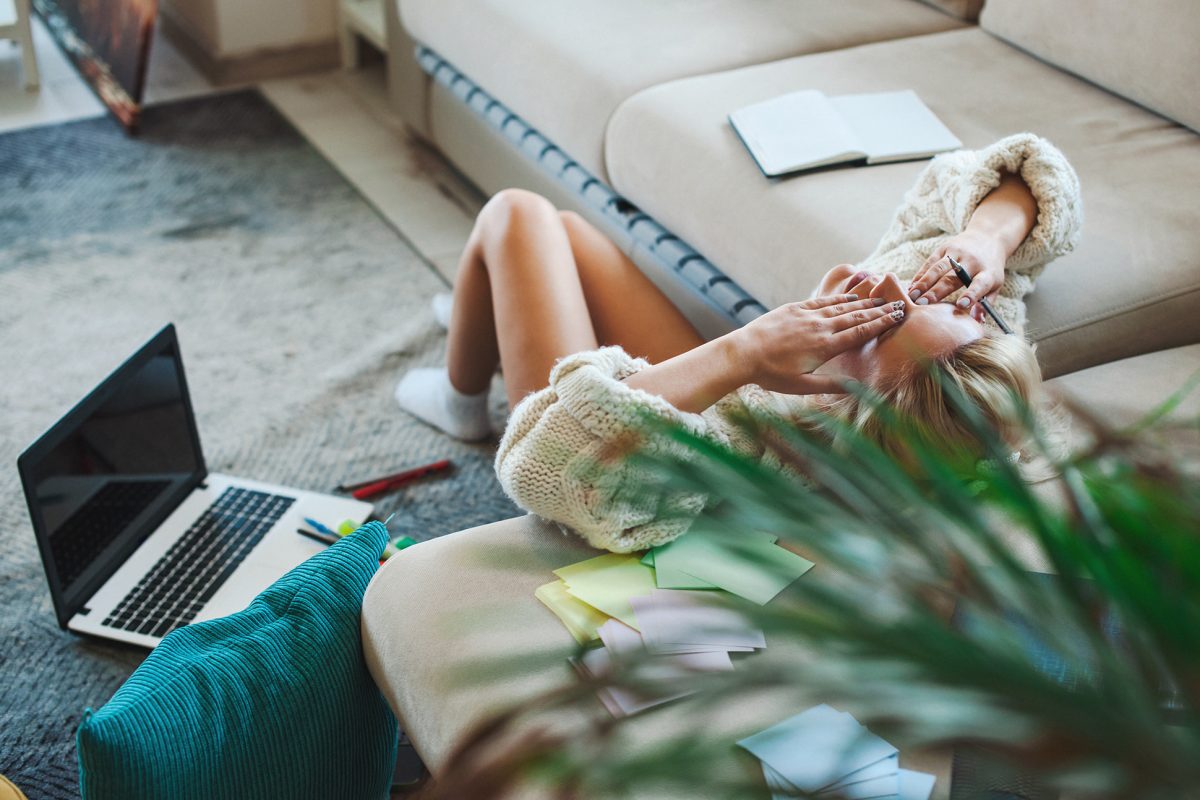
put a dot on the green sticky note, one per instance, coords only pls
(753, 567)
(673, 579)
(667, 576)
(607, 582)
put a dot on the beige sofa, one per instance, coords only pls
(635, 95)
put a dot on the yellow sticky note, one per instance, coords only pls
(581, 620)
(607, 582)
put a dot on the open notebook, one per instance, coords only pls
(805, 130)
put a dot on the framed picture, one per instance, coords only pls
(109, 41)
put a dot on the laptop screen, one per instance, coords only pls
(103, 478)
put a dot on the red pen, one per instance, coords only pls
(363, 491)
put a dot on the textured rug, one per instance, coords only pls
(297, 308)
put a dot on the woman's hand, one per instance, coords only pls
(996, 229)
(780, 349)
(983, 257)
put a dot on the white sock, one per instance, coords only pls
(442, 303)
(428, 395)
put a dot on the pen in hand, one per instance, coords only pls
(965, 278)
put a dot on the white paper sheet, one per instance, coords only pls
(676, 621)
(621, 641)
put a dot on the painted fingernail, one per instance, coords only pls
(859, 277)
(897, 315)
(898, 305)
(879, 301)
(852, 296)
(913, 294)
(924, 301)
(964, 302)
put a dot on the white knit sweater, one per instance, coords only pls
(560, 456)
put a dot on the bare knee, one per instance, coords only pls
(509, 208)
(573, 221)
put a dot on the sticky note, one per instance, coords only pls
(915, 785)
(580, 619)
(814, 749)
(886, 767)
(668, 673)
(780, 788)
(620, 639)
(667, 576)
(883, 786)
(686, 622)
(752, 566)
(607, 582)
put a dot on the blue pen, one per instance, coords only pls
(320, 528)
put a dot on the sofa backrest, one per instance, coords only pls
(1145, 50)
(963, 9)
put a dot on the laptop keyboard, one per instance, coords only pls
(177, 587)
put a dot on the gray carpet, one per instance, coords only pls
(297, 308)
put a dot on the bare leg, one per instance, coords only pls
(625, 306)
(518, 299)
(535, 285)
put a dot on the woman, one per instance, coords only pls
(588, 344)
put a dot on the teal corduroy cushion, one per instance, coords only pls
(272, 702)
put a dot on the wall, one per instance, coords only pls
(229, 28)
(245, 40)
(247, 26)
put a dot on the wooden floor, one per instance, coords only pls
(343, 113)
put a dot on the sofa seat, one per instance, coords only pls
(566, 66)
(1123, 392)
(1131, 285)
(453, 633)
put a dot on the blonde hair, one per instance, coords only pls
(997, 374)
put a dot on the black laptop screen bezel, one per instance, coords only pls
(165, 341)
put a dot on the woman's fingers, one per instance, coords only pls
(920, 277)
(858, 335)
(826, 301)
(937, 255)
(927, 279)
(861, 316)
(842, 309)
(984, 285)
(945, 287)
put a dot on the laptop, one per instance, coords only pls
(136, 536)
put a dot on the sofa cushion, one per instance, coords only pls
(1129, 287)
(963, 9)
(565, 66)
(1123, 392)
(274, 701)
(444, 620)
(1148, 52)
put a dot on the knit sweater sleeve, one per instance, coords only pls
(951, 187)
(563, 453)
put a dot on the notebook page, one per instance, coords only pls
(795, 131)
(894, 126)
